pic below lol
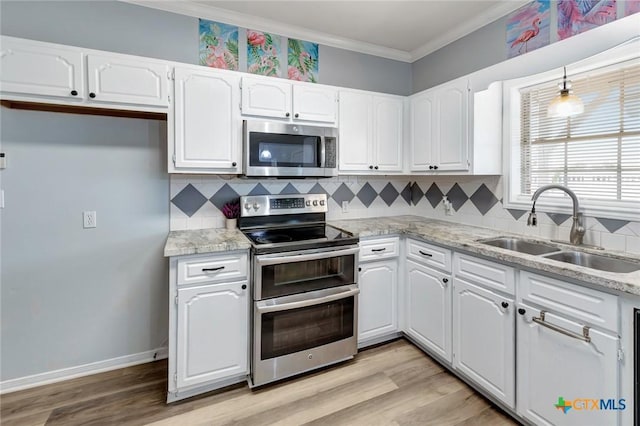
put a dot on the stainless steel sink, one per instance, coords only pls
(521, 246)
(594, 261)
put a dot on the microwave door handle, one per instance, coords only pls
(304, 257)
(323, 151)
(305, 303)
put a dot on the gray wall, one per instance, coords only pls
(126, 28)
(69, 295)
(478, 50)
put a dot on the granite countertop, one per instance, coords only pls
(205, 241)
(464, 237)
(449, 234)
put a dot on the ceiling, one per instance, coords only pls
(401, 30)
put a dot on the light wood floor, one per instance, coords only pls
(392, 384)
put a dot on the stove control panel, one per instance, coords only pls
(268, 205)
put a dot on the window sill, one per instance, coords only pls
(628, 211)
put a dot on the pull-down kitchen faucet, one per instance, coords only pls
(577, 229)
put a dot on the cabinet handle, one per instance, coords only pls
(74, 93)
(430, 167)
(92, 95)
(376, 250)
(445, 280)
(359, 269)
(425, 254)
(505, 305)
(585, 330)
(244, 286)
(376, 167)
(287, 115)
(371, 167)
(219, 268)
(296, 115)
(521, 311)
(234, 164)
(435, 167)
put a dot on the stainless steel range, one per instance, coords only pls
(305, 292)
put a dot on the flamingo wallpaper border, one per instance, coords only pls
(575, 17)
(218, 45)
(302, 59)
(263, 53)
(528, 28)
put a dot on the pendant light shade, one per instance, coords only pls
(566, 103)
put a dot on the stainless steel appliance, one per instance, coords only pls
(284, 150)
(305, 292)
(636, 368)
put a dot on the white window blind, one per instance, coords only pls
(597, 153)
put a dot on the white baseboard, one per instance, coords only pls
(54, 376)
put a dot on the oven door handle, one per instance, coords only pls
(304, 257)
(262, 308)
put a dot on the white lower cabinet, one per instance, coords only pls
(428, 308)
(378, 301)
(483, 339)
(208, 329)
(556, 364)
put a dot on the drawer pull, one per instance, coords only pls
(585, 330)
(380, 249)
(219, 268)
(425, 254)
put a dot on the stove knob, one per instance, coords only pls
(315, 202)
(322, 202)
(308, 203)
(247, 206)
(256, 206)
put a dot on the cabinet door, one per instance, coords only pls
(355, 132)
(422, 131)
(484, 339)
(314, 103)
(207, 121)
(120, 80)
(266, 98)
(429, 308)
(451, 140)
(33, 69)
(377, 305)
(553, 367)
(212, 333)
(387, 133)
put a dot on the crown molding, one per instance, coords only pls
(198, 10)
(479, 21)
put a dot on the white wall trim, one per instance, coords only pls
(197, 10)
(55, 376)
(467, 27)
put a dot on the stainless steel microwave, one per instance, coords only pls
(289, 150)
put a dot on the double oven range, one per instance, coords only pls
(305, 290)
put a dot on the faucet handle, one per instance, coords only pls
(532, 220)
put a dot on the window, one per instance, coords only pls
(596, 154)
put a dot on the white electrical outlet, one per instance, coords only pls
(345, 206)
(447, 205)
(89, 219)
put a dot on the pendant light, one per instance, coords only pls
(566, 103)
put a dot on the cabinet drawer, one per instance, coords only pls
(428, 254)
(588, 306)
(380, 248)
(484, 272)
(200, 269)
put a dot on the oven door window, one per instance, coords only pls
(276, 150)
(283, 279)
(294, 330)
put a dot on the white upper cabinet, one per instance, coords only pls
(439, 128)
(206, 121)
(122, 80)
(266, 98)
(314, 103)
(371, 132)
(30, 68)
(269, 97)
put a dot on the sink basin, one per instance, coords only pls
(521, 246)
(594, 261)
